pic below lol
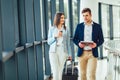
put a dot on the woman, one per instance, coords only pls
(59, 41)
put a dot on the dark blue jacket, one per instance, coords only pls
(97, 37)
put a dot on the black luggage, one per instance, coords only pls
(70, 72)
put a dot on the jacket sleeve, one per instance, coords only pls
(100, 37)
(51, 39)
(76, 36)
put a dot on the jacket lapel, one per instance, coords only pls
(93, 30)
(83, 29)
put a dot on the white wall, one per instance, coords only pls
(113, 2)
(93, 5)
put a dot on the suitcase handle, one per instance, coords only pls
(72, 62)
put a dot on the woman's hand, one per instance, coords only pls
(69, 58)
(59, 34)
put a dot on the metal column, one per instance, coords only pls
(1, 64)
(61, 5)
(111, 21)
(38, 37)
(45, 29)
(70, 17)
(53, 10)
(8, 26)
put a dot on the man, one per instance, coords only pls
(90, 32)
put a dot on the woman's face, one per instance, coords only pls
(62, 19)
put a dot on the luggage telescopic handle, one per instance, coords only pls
(72, 61)
(72, 67)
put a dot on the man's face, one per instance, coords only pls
(87, 17)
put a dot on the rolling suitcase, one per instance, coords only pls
(70, 72)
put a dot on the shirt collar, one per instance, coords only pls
(91, 23)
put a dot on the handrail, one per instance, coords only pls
(18, 49)
(6, 55)
(113, 46)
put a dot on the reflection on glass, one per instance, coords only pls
(49, 13)
(66, 11)
(105, 20)
(113, 46)
(57, 5)
(75, 13)
(116, 22)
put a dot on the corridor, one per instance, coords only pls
(24, 25)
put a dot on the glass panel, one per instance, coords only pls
(75, 22)
(66, 12)
(75, 13)
(43, 18)
(113, 51)
(49, 12)
(116, 19)
(113, 46)
(41, 9)
(105, 21)
(57, 5)
(17, 37)
(105, 24)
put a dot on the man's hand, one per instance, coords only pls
(93, 45)
(81, 45)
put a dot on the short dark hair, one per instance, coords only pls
(86, 10)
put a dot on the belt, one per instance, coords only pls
(59, 45)
(88, 50)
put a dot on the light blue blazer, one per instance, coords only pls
(52, 40)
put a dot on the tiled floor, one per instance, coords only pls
(101, 70)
